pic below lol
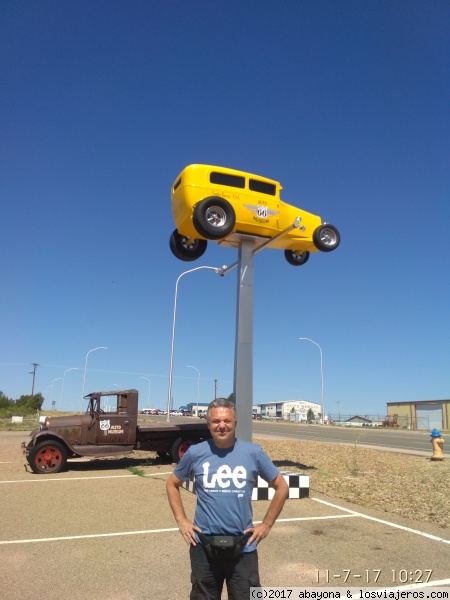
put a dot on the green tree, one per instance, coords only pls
(31, 403)
(5, 402)
(310, 416)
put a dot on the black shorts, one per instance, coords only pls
(207, 576)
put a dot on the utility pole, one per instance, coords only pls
(33, 372)
(215, 389)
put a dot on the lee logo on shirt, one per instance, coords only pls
(224, 476)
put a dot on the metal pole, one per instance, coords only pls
(243, 357)
(321, 372)
(62, 386)
(169, 392)
(149, 386)
(85, 368)
(33, 372)
(198, 384)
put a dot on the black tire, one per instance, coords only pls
(48, 457)
(214, 218)
(164, 456)
(296, 258)
(186, 249)
(179, 447)
(326, 238)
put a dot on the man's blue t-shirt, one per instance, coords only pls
(224, 480)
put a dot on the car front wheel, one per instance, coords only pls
(185, 248)
(326, 238)
(48, 457)
(296, 258)
(214, 218)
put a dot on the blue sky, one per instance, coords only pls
(345, 103)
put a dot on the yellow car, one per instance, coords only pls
(216, 203)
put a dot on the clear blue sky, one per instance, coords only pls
(345, 103)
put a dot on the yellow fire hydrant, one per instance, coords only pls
(437, 441)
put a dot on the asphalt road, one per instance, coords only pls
(414, 442)
(400, 440)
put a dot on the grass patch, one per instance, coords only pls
(136, 471)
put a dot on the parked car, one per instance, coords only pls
(214, 203)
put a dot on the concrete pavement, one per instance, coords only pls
(99, 532)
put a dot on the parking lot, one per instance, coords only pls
(100, 532)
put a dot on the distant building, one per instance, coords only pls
(192, 408)
(419, 414)
(356, 420)
(290, 410)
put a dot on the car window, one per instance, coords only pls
(226, 179)
(256, 185)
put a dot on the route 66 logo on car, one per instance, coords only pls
(105, 425)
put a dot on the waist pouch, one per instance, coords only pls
(223, 547)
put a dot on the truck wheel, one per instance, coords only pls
(163, 455)
(326, 238)
(48, 457)
(214, 218)
(179, 448)
(296, 258)
(186, 249)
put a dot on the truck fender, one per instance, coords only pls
(47, 435)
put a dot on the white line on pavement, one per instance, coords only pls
(86, 537)
(82, 478)
(358, 514)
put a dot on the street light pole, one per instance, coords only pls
(62, 386)
(321, 372)
(85, 368)
(149, 387)
(198, 384)
(169, 393)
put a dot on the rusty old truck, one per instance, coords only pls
(103, 432)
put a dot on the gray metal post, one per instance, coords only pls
(243, 356)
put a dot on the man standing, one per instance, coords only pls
(222, 537)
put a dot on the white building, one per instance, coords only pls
(290, 410)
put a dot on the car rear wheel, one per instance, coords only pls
(179, 448)
(185, 248)
(296, 258)
(48, 457)
(214, 218)
(326, 238)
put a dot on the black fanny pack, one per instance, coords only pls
(219, 547)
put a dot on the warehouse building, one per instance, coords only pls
(422, 414)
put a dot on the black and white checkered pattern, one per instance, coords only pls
(297, 482)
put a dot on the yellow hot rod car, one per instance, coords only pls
(217, 203)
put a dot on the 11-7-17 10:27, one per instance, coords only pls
(373, 575)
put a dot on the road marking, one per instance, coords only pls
(86, 537)
(290, 519)
(83, 478)
(358, 514)
(143, 532)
